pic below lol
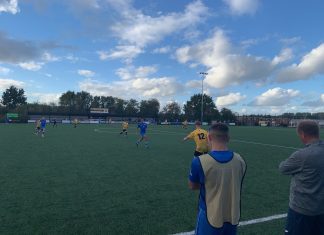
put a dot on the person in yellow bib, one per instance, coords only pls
(37, 127)
(200, 137)
(125, 127)
(75, 122)
(219, 176)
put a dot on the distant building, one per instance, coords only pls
(295, 122)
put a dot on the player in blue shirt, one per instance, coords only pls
(142, 126)
(43, 126)
(218, 175)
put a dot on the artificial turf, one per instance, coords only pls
(86, 181)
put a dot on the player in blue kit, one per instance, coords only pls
(43, 126)
(142, 126)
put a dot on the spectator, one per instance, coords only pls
(306, 166)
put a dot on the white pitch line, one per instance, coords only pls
(248, 222)
(158, 132)
(271, 145)
(262, 220)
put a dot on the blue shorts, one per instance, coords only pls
(204, 228)
(143, 134)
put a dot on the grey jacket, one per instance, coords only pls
(307, 184)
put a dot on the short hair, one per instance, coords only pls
(219, 132)
(198, 123)
(309, 128)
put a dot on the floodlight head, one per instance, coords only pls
(203, 73)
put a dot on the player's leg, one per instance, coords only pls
(203, 227)
(146, 141)
(139, 140)
(319, 225)
(229, 229)
(298, 224)
(43, 132)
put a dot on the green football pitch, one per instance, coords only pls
(91, 180)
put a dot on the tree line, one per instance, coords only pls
(80, 103)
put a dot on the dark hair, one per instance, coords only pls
(198, 123)
(309, 128)
(220, 132)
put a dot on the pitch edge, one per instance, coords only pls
(248, 222)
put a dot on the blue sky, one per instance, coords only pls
(260, 56)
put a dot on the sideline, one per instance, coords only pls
(248, 222)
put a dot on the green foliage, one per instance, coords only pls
(131, 108)
(149, 108)
(192, 108)
(171, 111)
(13, 97)
(227, 115)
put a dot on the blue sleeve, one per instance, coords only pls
(196, 172)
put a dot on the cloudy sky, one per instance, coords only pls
(260, 56)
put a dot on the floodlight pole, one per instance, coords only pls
(203, 76)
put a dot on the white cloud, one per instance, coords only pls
(45, 97)
(144, 71)
(290, 41)
(225, 66)
(162, 50)
(72, 58)
(311, 64)
(4, 70)
(135, 82)
(230, 99)
(285, 55)
(137, 30)
(6, 83)
(49, 57)
(86, 73)
(275, 97)
(31, 65)
(240, 7)
(141, 30)
(131, 72)
(193, 84)
(125, 52)
(9, 6)
(163, 87)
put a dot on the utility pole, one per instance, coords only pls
(203, 76)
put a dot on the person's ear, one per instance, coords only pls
(301, 136)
